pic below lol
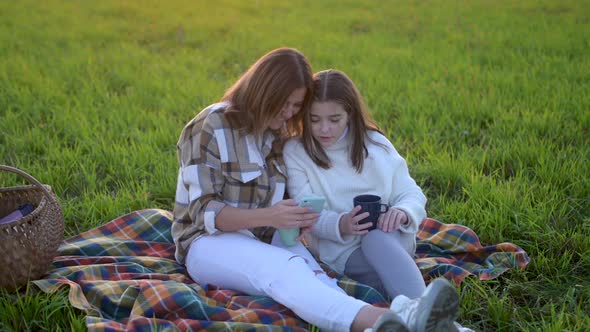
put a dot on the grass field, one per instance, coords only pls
(489, 101)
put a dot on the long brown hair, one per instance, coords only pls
(335, 86)
(260, 93)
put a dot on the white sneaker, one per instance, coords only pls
(463, 328)
(434, 311)
(389, 322)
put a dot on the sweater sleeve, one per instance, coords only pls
(298, 186)
(406, 195)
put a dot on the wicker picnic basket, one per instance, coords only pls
(29, 244)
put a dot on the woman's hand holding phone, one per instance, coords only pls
(290, 236)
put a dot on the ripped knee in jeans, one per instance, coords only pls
(304, 259)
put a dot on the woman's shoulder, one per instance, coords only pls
(210, 116)
(214, 114)
(206, 122)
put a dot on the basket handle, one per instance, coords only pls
(30, 178)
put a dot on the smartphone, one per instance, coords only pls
(316, 202)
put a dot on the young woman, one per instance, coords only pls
(229, 200)
(342, 154)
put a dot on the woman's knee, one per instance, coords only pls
(250, 269)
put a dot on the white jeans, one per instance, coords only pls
(236, 261)
(300, 250)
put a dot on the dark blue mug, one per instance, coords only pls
(371, 204)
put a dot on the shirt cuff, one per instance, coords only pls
(211, 211)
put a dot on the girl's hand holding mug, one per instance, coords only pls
(349, 222)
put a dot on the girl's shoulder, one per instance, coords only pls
(293, 144)
(379, 138)
(382, 147)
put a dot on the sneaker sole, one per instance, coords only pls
(438, 308)
(389, 322)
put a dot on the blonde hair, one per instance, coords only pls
(260, 93)
(335, 86)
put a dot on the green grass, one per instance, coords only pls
(31, 310)
(488, 100)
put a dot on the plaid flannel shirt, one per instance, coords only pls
(221, 166)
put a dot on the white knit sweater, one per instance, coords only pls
(385, 173)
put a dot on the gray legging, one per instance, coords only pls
(385, 262)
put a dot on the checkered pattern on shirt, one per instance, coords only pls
(221, 166)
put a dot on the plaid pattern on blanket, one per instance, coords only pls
(123, 274)
(454, 251)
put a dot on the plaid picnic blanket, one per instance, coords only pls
(124, 276)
